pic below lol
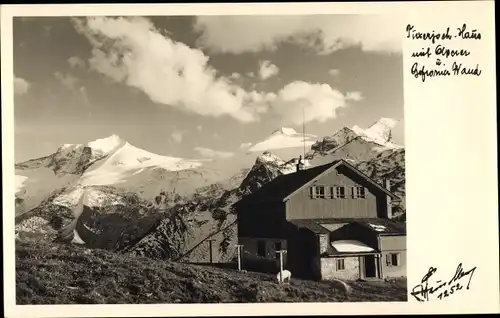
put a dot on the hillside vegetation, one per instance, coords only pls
(47, 273)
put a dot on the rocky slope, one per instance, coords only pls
(71, 274)
(185, 236)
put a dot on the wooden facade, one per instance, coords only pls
(310, 221)
(302, 205)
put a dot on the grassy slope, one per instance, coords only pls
(64, 274)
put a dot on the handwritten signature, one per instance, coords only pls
(425, 290)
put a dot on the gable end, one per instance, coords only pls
(350, 167)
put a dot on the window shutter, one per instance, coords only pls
(398, 255)
(334, 192)
(388, 259)
(353, 192)
(313, 192)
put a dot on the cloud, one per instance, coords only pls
(76, 62)
(176, 137)
(132, 51)
(199, 128)
(245, 145)
(67, 80)
(313, 102)
(250, 74)
(323, 33)
(355, 96)
(334, 72)
(85, 98)
(210, 153)
(21, 86)
(235, 76)
(267, 69)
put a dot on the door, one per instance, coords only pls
(370, 266)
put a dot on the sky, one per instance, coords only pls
(200, 86)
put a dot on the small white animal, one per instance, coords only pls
(243, 270)
(342, 286)
(283, 276)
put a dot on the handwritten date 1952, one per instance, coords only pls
(439, 289)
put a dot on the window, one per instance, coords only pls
(340, 192)
(340, 264)
(261, 248)
(331, 192)
(358, 192)
(277, 247)
(320, 192)
(393, 259)
(313, 192)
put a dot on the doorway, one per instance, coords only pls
(370, 266)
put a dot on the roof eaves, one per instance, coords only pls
(362, 174)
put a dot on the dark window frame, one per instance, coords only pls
(394, 259)
(277, 247)
(340, 192)
(261, 248)
(340, 264)
(361, 192)
(320, 192)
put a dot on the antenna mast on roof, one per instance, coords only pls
(304, 132)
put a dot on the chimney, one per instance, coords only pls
(299, 163)
(388, 198)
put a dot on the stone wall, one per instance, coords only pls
(329, 269)
(324, 241)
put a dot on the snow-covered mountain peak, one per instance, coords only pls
(387, 122)
(283, 138)
(268, 158)
(379, 132)
(284, 131)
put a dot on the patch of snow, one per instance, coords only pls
(379, 132)
(351, 246)
(106, 145)
(65, 150)
(69, 199)
(378, 228)
(76, 238)
(379, 149)
(127, 161)
(69, 147)
(287, 169)
(283, 138)
(38, 184)
(92, 198)
(284, 131)
(268, 157)
(20, 180)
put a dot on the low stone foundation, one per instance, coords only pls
(329, 268)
